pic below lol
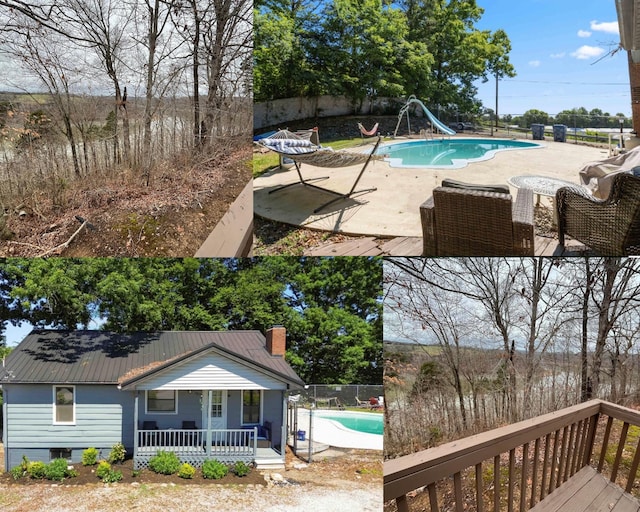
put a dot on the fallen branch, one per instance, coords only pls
(66, 244)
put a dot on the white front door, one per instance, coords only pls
(218, 410)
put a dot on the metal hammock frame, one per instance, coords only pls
(322, 157)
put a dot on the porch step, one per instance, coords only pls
(268, 464)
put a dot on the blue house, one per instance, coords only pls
(203, 395)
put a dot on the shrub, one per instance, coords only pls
(214, 469)
(21, 470)
(165, 463)
(56, 470)
(90, 457)
(37, 470)
(112, 476)
(186, 471)
(117, 453)
(17, 472)
(241, 469)
(103, 468)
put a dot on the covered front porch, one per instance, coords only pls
(199, 425)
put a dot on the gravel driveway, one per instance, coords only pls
(117, 498)
(336, 481)
(188, 498)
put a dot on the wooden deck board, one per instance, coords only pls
(588, 490)
(412, 246)
(403, 246)
(359, 247)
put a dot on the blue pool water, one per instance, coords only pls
(448, 153)
(369, 423)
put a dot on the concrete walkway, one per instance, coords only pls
(393, 209)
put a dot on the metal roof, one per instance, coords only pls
(100, 357)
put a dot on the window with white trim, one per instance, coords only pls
(216, 403)
(251, 405)
(162, 401)
(64, 409)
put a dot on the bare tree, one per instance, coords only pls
(616, 292)
(227, 39)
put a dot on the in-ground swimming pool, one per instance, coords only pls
(368, 423)
(447, 153)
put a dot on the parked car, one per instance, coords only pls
(460, 126)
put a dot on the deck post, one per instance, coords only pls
(255, 442)
(209, 400)
(135, 425)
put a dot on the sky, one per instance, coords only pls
(559, 49)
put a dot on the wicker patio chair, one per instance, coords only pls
(477, 221)
(610, 227)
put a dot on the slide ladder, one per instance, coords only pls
(433, 119)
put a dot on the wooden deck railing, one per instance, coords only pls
(514, 467)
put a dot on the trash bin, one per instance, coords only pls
(302, 435)
(560, 133)
(538, 131)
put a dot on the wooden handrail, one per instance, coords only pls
(571, 431)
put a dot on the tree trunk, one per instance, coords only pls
(198, 136)
(585, 387)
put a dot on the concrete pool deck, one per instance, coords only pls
(393, 209)
(332, 433)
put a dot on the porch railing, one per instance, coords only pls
(515, 467)
(197, 445)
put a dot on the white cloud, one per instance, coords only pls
(534, 63)
(609, 27)
(584, 33)
(587, 52)
(557, 55)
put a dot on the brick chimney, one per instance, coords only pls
(276, 340)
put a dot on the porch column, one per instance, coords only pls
(5, 427)
(285, 418)
(135, 425)
(209, 400)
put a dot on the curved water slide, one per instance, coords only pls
(433, 119)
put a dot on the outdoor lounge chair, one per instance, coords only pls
(362, 403)
(304, 151)
(470, 220)
(611, 226)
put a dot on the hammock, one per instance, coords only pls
(300, 150)
(367, 133)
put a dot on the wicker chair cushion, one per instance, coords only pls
(501, 189)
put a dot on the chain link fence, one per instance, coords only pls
(338, 395)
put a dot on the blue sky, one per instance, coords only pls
(15, 335)
(555, 46)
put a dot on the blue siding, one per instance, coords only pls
(271, 411)
(102, 415)
(189, 409)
